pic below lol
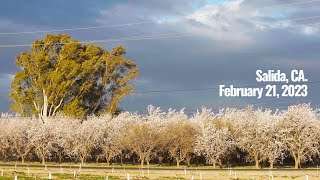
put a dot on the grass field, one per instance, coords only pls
(95, 172)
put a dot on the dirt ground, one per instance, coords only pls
(195, 174)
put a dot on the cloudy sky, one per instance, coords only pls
(230, 40)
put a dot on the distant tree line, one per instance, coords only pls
(226, 138)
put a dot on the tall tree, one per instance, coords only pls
(59, 74)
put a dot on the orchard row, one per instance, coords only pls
(224, 138)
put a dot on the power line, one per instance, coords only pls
(297, 19)
(211, 88)
(75, 29)
(282, 27)
(194, 110)
(135, 38)
(291, 26)
(128, 24)
(290, 4)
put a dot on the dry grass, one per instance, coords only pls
(101, 174)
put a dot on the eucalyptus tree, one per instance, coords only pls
(60, 74)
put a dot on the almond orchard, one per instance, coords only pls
(229, 137)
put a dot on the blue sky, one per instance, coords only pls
(229, 43)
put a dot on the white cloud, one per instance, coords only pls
(217, 15)
(237, 21)
(310, 30)
(225, 21)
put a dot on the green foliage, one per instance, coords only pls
(59, 74)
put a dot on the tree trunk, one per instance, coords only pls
(296, 163)
(108, 161)
(220, 163)
(22, 159)
(121, 159)
(296, 160)
(43, 161)
(271, 164)
(256, 160)
(160, 160)
(5, 158)
(45, 104)
(60, 158)
(97, 159)
(214, 163)
(178, 162)
(142, 162)
(82, 161)
(188, 160)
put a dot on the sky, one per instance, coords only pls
(229, 41)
